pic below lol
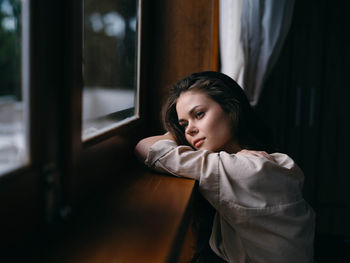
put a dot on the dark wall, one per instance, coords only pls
(305, 101)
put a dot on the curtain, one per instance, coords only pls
(252, 34)
(231, 52)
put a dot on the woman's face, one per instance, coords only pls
(206, 125)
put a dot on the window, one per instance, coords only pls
(46, 167)
(110, 65)
(14, 84)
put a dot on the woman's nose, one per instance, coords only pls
(191, 129)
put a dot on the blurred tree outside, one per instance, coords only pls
(110, 43)
(10, 48)
(13, 144)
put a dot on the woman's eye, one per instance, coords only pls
(199, 114)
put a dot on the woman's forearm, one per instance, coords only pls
(142, 148)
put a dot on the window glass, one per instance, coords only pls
(110, 64)
(14, 30)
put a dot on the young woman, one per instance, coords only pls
(215, 137)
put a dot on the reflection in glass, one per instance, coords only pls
(110, 66)
(14, 30)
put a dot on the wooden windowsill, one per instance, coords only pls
(144, 220)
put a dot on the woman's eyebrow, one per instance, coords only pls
(190, 112)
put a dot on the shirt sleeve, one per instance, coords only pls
(183, 161)
(167, 156)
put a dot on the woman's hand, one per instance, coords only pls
(257, 153)
(143, 146)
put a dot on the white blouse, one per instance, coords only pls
(261, 215)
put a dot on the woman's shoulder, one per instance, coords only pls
(278, 160)
(257, 169)
(257, 182)
(284, 160)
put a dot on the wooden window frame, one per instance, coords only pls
(117, 140)
(58, 155)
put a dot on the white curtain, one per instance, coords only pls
(252, 33)
(231, 53)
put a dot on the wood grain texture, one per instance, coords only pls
(183, 41)
(138, 222)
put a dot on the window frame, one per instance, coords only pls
(54, 181)
(119, 140)
(111, 131)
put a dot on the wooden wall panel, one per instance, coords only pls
(183, 40)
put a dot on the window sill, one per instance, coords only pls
(146, 219)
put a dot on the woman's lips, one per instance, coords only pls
(198, 143)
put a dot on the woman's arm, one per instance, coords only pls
(143, 146)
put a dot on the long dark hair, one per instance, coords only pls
(250, 130)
